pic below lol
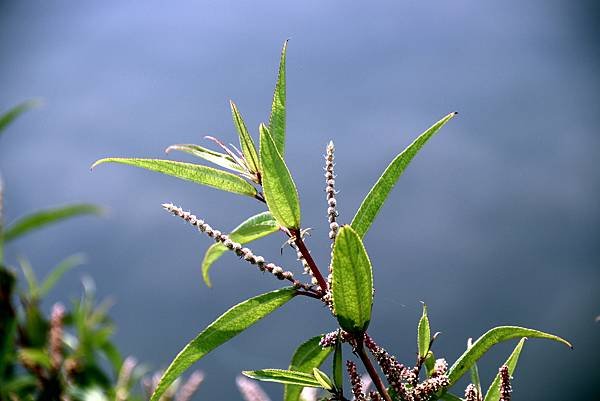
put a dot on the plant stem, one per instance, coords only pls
(311, 263)
(360, 351)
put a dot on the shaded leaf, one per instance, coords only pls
(338, 366)
(43, 218)
(246, 142)
(277, 118)
(220, 159)
(378, 194)
(430, 363)
(190, 172)
(284, 377)
(493, 393)
(9, 116)
(352, 286)
(228, 325)
(423, 334)
(486, 341)
(251, 229)
(280, 191)
(309, 355)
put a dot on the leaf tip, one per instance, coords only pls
(97, 163)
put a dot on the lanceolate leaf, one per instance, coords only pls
(424, 333)
(322, 378)
(246, 142)
(486, 341)
(378, 194)
(280, 191)
(191, 172)
(55, 275)
(220, 159)
(47, 217)
(309, 355)
(352, 286)
(338, 366)
(493, 393)
(474, 371)
(253, 228)
(227, 326)
(9, 116)
(284, 377)
(277, 119)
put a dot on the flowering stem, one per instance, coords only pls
(311, 263)
(360, 351)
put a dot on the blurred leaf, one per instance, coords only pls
(424, 334)
(352, 286)
(34, 356)
(33, 287)
(338, 366)
(280, 191)
(9, 116)
(493, 393)
(228, 325)
(220, 159)
(486, 341)
(8, 321)
(378, 194)
(251, 229)
(112, 355)
(56, 274)
(277, 119)
(323, 379)
(309, 355)
(43, 218)
(284, 377)
(190, 172)
(246, 142)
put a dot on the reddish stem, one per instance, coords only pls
(307, 256)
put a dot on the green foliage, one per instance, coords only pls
(309, 355)
(9, 116)
(280, 191)
(251, 229)
(338, 366)
(284, 377)
(220, 159)
(227, 326)
(352, 287)
(378, 194)
(246, 142)
(277, 119)
(493, 393)
(424, 334)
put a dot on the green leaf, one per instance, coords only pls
(474, 371)
(352, 286)
(34, 356)
(47, 217)
(486, 341)
(55, 275)
(284, 377)
(190, 172)
(220, 159)
(378, 194)
(309, 355)
(423, 334)
(12, 114)
(280, 191)
(493, 393)
(227, 326)
(430, 363)
(338, 366)
(323, 379)
(277, 119)
(246, 142)
(253, 228)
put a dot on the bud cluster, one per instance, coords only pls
(56, 336)
(357, 389)
(471, 393)
(505, 387)
(330, 191)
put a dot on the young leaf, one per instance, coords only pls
(220, 159)
(284, 377)
(486, 341)
(246, 142)
(493, 393)
(253, 228)
(309, 355)
(323, 379)
(338, 366)
(9, 116)
(47, 217)
(55, 275)
(378, 194)
(277, 119)
(430, 363)
(227, 326)
(190, 172)
(424, 334)
(280, 191)
(352, 286)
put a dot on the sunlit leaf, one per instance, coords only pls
(228, 325)
(284, 377)
(474, 371)
(424, 334)
(277, 119)
(246, 142)
(486, 341)
(309, 355)
(280, 191)
(190, 172)
(43, 218)
(493, 393)
(220, 159)
(352, 286)
(323, 379)
(251, 229)
(378, 194)
(9, 116)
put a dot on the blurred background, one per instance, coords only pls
(495, 222)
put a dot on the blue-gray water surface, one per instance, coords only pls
(495, 222)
